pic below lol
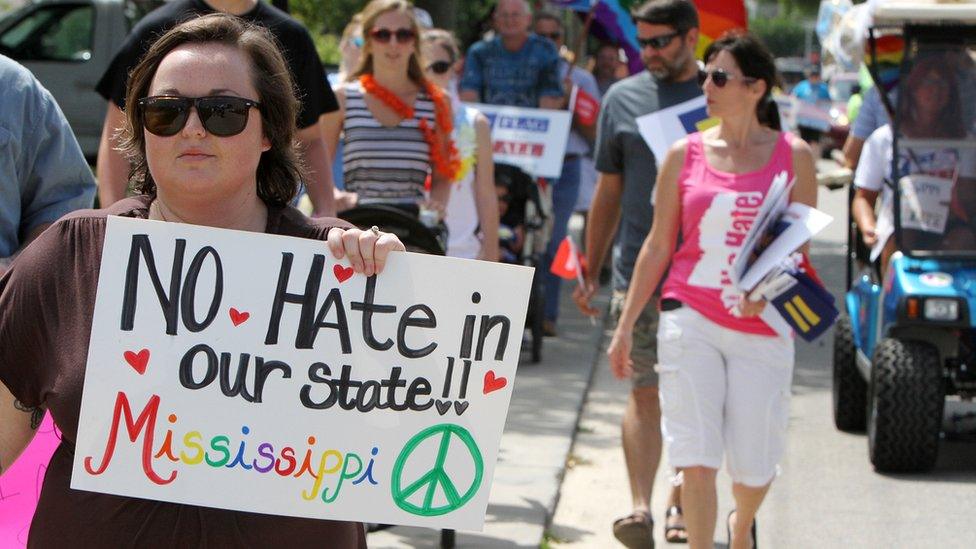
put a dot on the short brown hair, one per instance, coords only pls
(681, 15)
(444, 39)
(279, 171)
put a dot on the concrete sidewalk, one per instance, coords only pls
(545, 407)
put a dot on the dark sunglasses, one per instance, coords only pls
(221, 115)
(440, 67)
(554, 36)
(720, 78)
(403, 36)
(658, 42)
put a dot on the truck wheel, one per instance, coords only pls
(906, 400)
(850, 390)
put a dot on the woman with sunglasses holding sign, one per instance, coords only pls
(724, 373)
(210, 132)
(395, 125)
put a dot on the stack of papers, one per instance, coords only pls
(769, 267)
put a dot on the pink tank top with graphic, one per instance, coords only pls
(717, 209)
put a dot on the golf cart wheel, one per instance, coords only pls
(850, 393)
(907, 397)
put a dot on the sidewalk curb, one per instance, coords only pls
(598, 339)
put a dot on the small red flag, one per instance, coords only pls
(567, 264)
(587, 108)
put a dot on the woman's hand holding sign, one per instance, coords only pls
(367, 250)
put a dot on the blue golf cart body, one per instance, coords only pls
(908, 340)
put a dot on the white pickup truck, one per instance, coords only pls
(68, 44)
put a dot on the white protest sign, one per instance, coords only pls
(885, 226)
(774, 204)
(815, 116)
(254, 372)
(532, 139)
(662, 129)
(925, 202)
(802, 223)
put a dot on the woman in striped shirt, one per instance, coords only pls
(395, 125)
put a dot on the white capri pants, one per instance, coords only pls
(722, 389)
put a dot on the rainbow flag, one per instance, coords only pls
(612, 22)
(716, 17)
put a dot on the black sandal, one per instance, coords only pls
(635, 531)
(728, 530)
(675, 533)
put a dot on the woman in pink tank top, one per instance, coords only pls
(724, 373)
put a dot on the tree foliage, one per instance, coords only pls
(325, 19)
(783, 35)
(798, 7)
(325, 16)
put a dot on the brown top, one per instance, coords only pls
(47, 300)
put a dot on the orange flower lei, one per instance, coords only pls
(438, 141)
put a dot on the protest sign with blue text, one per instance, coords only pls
(662, 129)
(532, 139)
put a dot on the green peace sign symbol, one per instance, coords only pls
(436, 476)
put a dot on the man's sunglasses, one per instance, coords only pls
(440, 67)
(221, 115)
(720, 78)
(554, 36)
(658, 42)
(403, 36)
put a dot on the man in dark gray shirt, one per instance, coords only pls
(667, 32)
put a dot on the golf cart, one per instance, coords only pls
(908, 342)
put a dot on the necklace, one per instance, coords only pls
(439, 139)
(159, 210)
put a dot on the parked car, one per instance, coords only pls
(790, 70)
(68, 44)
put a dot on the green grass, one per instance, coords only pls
(549, 540)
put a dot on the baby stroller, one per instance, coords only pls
(416, 236)
(525, 224)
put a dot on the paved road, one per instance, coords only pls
(828, 495)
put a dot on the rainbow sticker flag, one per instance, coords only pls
(890, 50)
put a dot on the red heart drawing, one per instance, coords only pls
(492, 383)
(341, 273)
(138, 361)
(238, 317)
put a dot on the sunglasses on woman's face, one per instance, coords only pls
(439, 67)
(720, 78)
(403, 36)
(221, 115)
